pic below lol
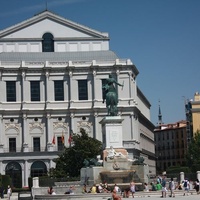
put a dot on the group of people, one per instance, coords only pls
(116, 192)
(126, 193)
(9, 192)
(186, 186)
(69, 190)
(97, 188)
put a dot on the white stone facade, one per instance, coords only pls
(80, 53)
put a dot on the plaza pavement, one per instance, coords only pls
(138, 195)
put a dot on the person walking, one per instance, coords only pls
(196, 187)
(2, 191)
(164, 189)
(9, 192)
(172, 188)
(186, 187)
(132, 188)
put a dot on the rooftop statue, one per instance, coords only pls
(110, 95)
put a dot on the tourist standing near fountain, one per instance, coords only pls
(132, 188)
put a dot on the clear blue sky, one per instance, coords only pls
(161, 37)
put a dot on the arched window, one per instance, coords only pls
(47, 43)
(38, 168)
(14, 170)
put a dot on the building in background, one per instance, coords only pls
(194, 112)
(51, 76)
(171, 145)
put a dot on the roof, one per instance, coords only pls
(58, 56)
(49, 15)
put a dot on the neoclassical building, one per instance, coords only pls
(51, 76)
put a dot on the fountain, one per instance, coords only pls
(116, 166)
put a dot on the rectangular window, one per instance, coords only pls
(12, 144)
(82, 90)
(11, 91)
(59, 90)
(36, 144)
(35, 90)
(60, 144)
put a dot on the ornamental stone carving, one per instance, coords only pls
(57, 125)
(12, 126)
(85, 125)
(36, 125)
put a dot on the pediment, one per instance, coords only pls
(46, 21)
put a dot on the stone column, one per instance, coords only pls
(1, 133)
(132, 125)
(117, 79)
(46, 86)
(198, 175)
(26, 173)
(72, 88)
(94, 86)
(130, 86)
(182, 176)
(36, 182)
(25, 132)
(49, 133)
(1, 168)
(72, 122)
(96, 134)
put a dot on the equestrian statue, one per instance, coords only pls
(110, 95)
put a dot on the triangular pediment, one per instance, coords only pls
(47, 21)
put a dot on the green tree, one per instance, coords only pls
(69, 163)
(192, 156)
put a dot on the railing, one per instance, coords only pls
(30, 149)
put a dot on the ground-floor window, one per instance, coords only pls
(14, 170)
(38, 168)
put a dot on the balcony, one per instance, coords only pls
(26, 149)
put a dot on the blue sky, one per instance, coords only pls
(161, 37)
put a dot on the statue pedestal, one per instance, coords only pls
(112, 131)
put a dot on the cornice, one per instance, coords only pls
(55, 18)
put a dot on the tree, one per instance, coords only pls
(69, 163)
(192, 156)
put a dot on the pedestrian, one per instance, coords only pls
(106, 188)
(50, 190)
(146, 188)
(158, 186)
(9, 192)
(186, 187)
(93, 189)
(115, 196)
(164, 189)
(172, 188)
(84, 189)
(2, 191)
(126, 192)
(196, 186)
(132, 188)
(100, 188)
(70, 190)
(153, 187)
(116, 188)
